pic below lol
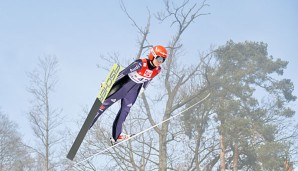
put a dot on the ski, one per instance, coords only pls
(142, 132)
(105, 89)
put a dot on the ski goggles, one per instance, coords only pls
(160, 59)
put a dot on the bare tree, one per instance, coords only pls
(43, 117)
(14, 155)
(177, 80)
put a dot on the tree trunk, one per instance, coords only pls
(222, 154)
(197, 158)
(47, 128)
(163, 148)
(236, 154)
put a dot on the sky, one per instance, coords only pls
(78, 32)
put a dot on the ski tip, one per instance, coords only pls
(70, 157)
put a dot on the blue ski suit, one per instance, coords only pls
(127, 87)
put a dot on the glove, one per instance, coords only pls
(101, 84)
(142, 90)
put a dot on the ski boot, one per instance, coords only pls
(121, 138)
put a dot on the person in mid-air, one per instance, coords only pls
(127, 87)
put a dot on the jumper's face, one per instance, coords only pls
(158, 61)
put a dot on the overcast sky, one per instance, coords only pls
(78, 32)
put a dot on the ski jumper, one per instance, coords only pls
(127, 87)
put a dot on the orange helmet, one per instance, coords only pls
(157, 51)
